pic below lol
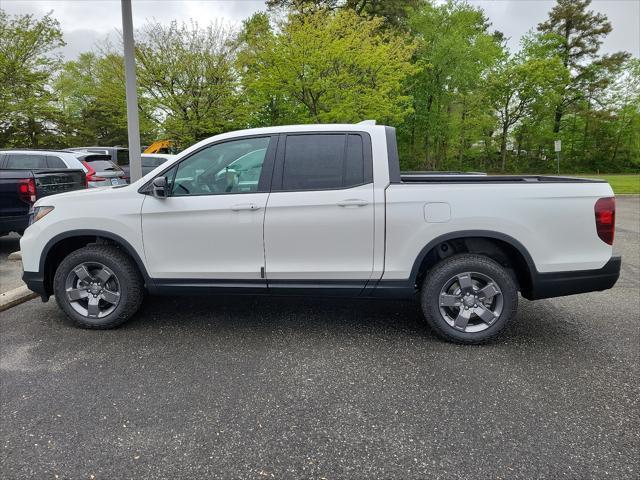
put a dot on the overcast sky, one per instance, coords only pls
(85, 22)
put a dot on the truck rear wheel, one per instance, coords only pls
(469, 298)
(98, 287)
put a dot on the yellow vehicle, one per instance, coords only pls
(161, 146)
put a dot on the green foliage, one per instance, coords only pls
(455, 52)
(187, 72)
(581, 32)
(522, 88)
(621, 184)
(328, 67)
(394, 12)
(91, 95)
(434, 69)
(27, 65)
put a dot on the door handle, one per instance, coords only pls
(353, 202)
(245, 206)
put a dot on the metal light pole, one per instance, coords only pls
(133, 125)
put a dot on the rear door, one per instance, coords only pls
(319, 225)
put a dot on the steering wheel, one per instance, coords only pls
(202, 184)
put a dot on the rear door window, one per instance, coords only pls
(354, 161)
(313, 162)
(26, 161)
(324, 161)
(55, 162)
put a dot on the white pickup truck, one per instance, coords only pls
(322, 210)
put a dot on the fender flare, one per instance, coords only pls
(533, 271)
(93, 233)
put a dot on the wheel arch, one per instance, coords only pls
(64, 243)
(501, 247)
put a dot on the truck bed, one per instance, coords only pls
(14, 211)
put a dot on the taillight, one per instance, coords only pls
(27, 190)
(91, 174)
(605, 210)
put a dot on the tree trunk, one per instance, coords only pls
(427, 143)
(618, 136)
(503, 147)
(463, 139)
(557, 119)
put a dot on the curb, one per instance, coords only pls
(15, 297)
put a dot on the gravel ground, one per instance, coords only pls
(290, 388)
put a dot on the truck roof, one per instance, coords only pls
(313, 127)
(33, 150)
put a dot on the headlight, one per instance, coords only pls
(37, 213)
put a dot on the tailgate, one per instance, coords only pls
(49, 182)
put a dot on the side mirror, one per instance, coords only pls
(159, 187)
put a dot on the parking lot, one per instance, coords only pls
(256, 387)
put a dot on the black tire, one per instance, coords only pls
(124, 270)
(443, 273)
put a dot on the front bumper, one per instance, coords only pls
(558, 284)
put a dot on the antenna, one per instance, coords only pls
(366, 122)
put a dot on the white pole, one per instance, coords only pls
(133, 126)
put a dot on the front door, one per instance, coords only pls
(210, 227)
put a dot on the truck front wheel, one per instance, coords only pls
(469, 298)
(98, 286)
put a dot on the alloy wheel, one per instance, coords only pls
(93, 290)
(470, 302)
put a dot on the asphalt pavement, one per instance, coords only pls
(291, 388)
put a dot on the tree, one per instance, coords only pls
(333, 67)
(582, 32)
(187, 71)
(393, 12)
(91, 96)
(262, 106)
(27, 64)
(518, 86)
(625, 97)
(455, 51)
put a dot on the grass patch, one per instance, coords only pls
(619, 183)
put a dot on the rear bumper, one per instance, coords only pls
(14, 224)
(558, 284)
